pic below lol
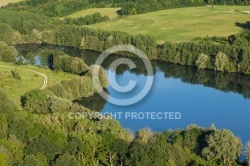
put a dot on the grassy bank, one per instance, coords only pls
(29, 80)
(182, 24)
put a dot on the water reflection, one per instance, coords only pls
(226, 82)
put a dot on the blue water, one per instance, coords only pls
(202, 97)
(197, 104)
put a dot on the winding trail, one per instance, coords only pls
(45, 82)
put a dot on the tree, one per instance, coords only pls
(6, 103)
(16, 74)
(30, 160)
(223, 147)
(97, 17)
(17, 38)
(105, 18)
(78, 66)
(145, 135)
(6, 32)
(66, 160)
(221, 62)
(201, 61)
(30, 57)
(9, 55)
(42, 145)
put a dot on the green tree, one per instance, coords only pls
(6, 103)
(43, 145)
(9, 55)
(30, 57)
(16, 74)
(202, 61)
(223, 147)
(221, 62)
(66, 160)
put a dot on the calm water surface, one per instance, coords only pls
(202, 97)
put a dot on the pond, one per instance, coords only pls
(201, 97)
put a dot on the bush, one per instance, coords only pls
(16, 74)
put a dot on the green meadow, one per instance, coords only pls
(5, 2)
(29, 80)
(110, 12)
(182, 24)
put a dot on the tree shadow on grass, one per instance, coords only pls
(243, 25)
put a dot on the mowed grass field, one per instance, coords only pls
(110, 12)
(5, 2)
(29, 80)
(182, 24)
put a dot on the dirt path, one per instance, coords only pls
(45, 82)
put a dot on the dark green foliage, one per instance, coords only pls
(59, 90)
(6, 103)
(218, 144)
(31, 160)
(54, 139)
(16, 74)
(23, 22)
(142, 6)
(6, 33)
(97, 40)
(50, 8)
(42, 145)
(59, 61)
(7, 53)
(35, 101)
(66, 160)
(178, 53)
(87, 20)
(30, 56)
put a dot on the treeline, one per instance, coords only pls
(59, 8)
(144, 6)
(233, 56)
(52, 138)
(59, 61)
(87, 20)
(51, 8)
(98, 40)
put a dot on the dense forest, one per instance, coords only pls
(144, 6)
(48, 137)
